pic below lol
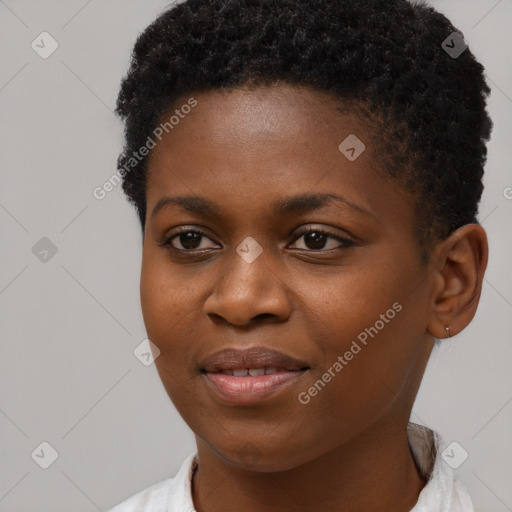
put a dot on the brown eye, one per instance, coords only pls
(188, 240)
(316, 239)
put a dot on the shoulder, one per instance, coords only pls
(165, 496)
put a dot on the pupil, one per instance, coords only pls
(189, 239)
(318, 240)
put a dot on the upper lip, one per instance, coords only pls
(252, 357)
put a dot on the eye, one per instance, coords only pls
(316, 238)
(189, 239)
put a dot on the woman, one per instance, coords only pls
(307, 177)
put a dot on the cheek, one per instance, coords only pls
(165, 293)
(172, 303)
(167, 306)
(369, 331)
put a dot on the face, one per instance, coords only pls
(337, 285)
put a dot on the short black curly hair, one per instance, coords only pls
(383, 59)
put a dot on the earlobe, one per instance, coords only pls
(461, 263)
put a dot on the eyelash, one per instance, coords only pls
(344, 242)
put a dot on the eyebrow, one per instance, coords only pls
(298, 204)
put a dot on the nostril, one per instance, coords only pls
(264, 315)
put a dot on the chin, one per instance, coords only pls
(252, 457)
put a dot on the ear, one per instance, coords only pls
(460, 263)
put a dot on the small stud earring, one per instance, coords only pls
(447, 331)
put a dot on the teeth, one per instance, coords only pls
(253, 372)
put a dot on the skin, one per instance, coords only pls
(346, 449)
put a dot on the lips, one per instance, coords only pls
(247, 377)
(254, 358)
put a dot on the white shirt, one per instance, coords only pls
(442, 492)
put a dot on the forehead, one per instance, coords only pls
(251, 129)
(261, 113)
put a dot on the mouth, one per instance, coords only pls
(251, 375)
(250, 386)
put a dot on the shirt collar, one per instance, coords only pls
(442, 492)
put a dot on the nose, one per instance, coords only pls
(249, 292)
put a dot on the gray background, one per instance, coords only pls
(69, 325)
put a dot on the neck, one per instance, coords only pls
(374, 471)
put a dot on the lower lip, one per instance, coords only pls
(251, 390)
